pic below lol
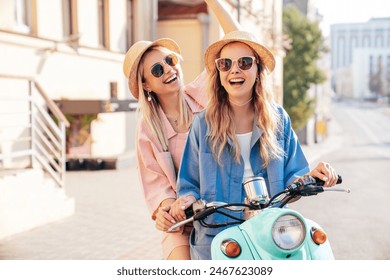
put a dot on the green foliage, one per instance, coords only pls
(376, 84)
(300, 68)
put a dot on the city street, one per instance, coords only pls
(358, 224)
(111, 220)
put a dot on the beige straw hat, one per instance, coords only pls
(134, 55)
(214, 49)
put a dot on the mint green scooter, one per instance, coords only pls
(269, 230)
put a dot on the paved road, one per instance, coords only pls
(358, 224)
(110, 221)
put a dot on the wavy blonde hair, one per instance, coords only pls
(219, 118)
(150, 109)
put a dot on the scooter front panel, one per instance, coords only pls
(317, 252)
(235, 234)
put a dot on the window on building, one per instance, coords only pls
(25, 16)
(366, 41)
(71, 33)
(341, 56)
(379, 41)
(388, 76)
(103, 13)
(130, 23)
(353, 45)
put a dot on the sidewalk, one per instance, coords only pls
(111, 220)
(315, 152)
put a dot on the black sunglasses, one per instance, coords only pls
(157, 69)
(244, 63)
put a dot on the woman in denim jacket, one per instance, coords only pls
(242, 133)
(167, 107)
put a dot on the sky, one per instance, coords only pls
(348, 11)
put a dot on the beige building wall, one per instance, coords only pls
(187, 33)
(67, 71)
(50, 27)
(118, 26)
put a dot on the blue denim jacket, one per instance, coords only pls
(200, 174)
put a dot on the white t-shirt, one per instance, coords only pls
(245, 141)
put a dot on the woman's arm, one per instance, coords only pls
(188, 184)
(225, 18)
(152, 171)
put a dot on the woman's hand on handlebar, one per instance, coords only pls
(163, 219)
(325, 172)
(178, 207)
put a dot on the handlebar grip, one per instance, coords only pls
(189, 212)
(319, 182)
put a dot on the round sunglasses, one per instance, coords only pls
(244, 63)
(157, 69)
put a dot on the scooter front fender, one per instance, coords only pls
(255, 238)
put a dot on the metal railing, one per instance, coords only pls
(32, 127)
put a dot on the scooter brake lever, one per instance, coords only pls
(179, 224)
(338, 189)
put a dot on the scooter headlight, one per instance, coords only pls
(288, 232)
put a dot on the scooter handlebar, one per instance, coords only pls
(319, 182)
(179, 224)
(338, 189)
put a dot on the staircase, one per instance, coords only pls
(32, 157)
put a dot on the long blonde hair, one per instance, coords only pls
(150, 109)
(219, 118)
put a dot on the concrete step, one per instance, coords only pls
(29, 199)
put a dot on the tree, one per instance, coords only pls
(376, 83)
(300, 68)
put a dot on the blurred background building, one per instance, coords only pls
(361, 59)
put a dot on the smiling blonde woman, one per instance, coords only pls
(167, 108)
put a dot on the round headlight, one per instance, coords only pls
(288, 232)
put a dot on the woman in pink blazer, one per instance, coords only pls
(167, 107)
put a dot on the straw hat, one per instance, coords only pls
(214, 49)
(134, 55)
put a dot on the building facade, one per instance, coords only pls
(75, 49)
(361, 59)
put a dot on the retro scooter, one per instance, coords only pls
(268, 230)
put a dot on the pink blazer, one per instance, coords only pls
(157, 168)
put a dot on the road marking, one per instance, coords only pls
(365, 128)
